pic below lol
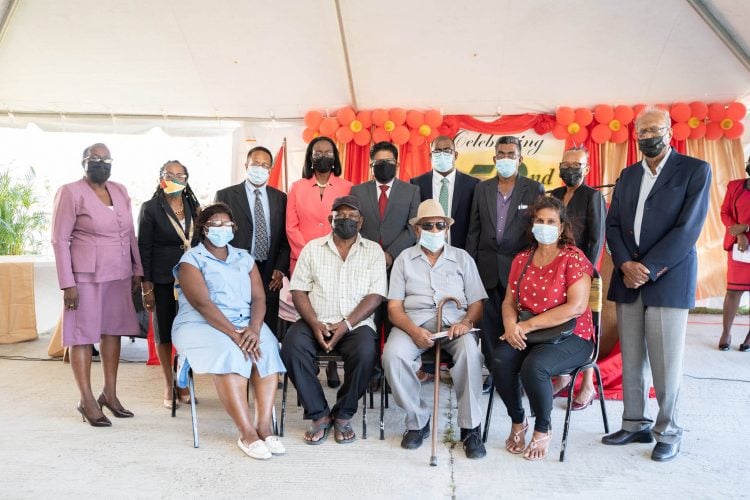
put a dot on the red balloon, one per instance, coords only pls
(619, 136)
(681, 130)
(400, 135)
(313, 119)
(433, 118)
(433, 135)
(365, 118)
(345, 116)
(736, 131)
(716, 111)
(584, 116)
(560, 131)
(698, 132)
(601, 133)
(309, 134)
(624, 114)
(680, 113)
(603, 114)
(379, 117)
(328, 126)
(699, 110)
(380, 135)
(414, 118)
(415, 138)
(362, 138)
(736, 111)
(397, 115)
(565, 116)
(580, 136)
(344, 135)
(713, 130)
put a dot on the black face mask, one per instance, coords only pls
(345, 228)
(98, 171)
(324, 164)
(571, 176)
(652, 146)
(384, 171)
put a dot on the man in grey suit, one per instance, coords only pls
(497, 226)
(387, 205)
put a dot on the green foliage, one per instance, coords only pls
(21, 224)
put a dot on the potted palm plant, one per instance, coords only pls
(21, 223)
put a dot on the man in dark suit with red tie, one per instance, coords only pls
(260, 213)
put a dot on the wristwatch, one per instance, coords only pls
(348, 325)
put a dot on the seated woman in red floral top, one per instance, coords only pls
(552, 279)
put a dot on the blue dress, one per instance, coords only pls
(207, 349)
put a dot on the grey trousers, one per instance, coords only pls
(652, 336)
(401, 360)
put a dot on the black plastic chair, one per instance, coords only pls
(595, 303)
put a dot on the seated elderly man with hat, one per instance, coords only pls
(338, 282)
(422, 276)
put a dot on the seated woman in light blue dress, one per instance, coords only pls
(219, 329)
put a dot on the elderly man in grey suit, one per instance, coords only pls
(387, 205)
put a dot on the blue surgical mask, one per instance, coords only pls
(505, 167)
(432, 241)
(545, 234)
(257, 175)
(220, 236)
(442, 162)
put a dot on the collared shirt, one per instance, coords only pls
(647, 182)
(502, 204)
(387, 191)
(250, 190)
(422, 286)
(337, 286)
(437, 183)
(228, 283)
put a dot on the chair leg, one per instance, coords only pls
(487, 419)
(600, 389)
(383, 389)
(174, 387)
(568, 408)
(283, 404)
(364, 416)
(193, 414)
(274, 422)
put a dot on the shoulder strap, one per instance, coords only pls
(520, 277)
(181, 232)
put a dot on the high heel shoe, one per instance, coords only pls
(117, 412)
(576, 406)
(102, 421)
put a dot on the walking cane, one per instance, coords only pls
(438, 326)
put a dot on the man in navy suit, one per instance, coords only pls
(657, 212)
(453, 190)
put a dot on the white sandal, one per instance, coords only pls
(534, 444)
(515, 439)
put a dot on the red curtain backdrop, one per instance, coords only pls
(356, 163)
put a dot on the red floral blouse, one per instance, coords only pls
(543, 288)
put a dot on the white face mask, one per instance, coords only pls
(257, 175)
(432, 241)
(545, 234)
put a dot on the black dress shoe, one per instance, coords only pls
(665, 451)
(487, 384)
(626, 437)
(413, 439)
(473, 445)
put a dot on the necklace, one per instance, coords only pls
(178, 211)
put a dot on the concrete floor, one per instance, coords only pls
(46, 451)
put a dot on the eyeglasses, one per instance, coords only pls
(220, 223)
(383, 162)
(320, 154)
(511, 156)
(95, 158)
(171, 176)
(427, 226)
(350, 215)
(572, 165)
(651, 131)
(267, 166)
(445, 151)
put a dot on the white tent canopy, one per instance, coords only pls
(264, 59)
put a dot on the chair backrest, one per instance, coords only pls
(595, 303)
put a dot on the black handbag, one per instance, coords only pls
(550, 335)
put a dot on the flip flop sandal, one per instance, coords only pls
(535, 444)
(344, 429)
(314, 429)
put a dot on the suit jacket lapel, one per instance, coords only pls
(491, 199)
(519, 192)
(670, 168)
(274, 206)
(394, 194)
(427, 191)
(241, 193)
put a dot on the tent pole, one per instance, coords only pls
(286, 167)
(6, 16)
(345, 48)
(721, 31)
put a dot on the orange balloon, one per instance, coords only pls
(433, 135)
(698, 132)
(624, 114)
(355, 126)
(619, 136)
(397, 116)
(736, 131)
(680, 112)
(400, 135)
(365, 118)
(414, 118)
(603, 114)
(362, 138)
(344, 135)
(389, 126)
(424, 130)
(345, 116)
(433, 118)
(580, 136)
(379, 117)
(713, 130)
(560, 131)
(716, 111)
(699, 110)
(329, 126)
(736, 111)
(601, 133)
(681, 130)
(565, 115)
(584, 116)
(380, 135)
(415, 138)
(309, 134)
(313, 119)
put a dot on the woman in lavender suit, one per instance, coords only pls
(98, 268)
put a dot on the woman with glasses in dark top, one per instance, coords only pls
(166, 229)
